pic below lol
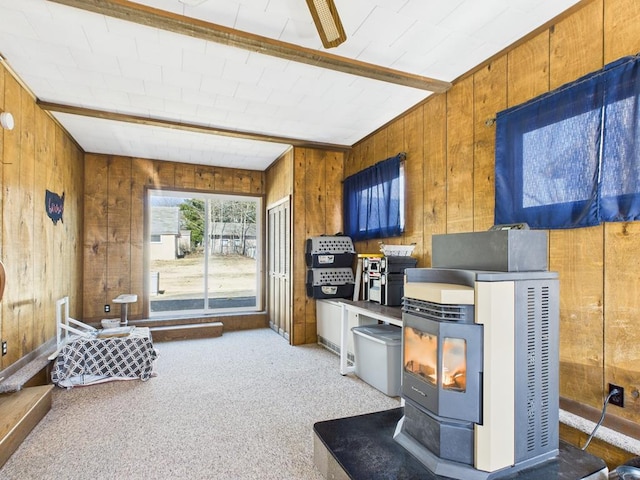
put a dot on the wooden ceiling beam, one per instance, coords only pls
(153, 17)
(190, 127)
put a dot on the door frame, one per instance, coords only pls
(279, 307)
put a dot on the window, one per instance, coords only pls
(374, 200)
(569, 158)
(204, 252)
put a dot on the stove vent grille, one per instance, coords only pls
(538, 368)
(439, 312)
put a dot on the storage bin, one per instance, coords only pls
(386, 289)
(329, 252)
(397, 250)
(397, 264)
(378, 356)
(330, 283)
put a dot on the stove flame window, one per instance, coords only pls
(454, 364)
(421, 355)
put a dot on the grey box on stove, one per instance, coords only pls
(494, 250)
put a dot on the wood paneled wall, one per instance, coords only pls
(313, 178)
(279, 179)
(115, 190)
(451, 148)
(43, 260)
(450, 155)
(317, 210)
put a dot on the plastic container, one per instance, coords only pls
(330, 283)
(378, 355)
(397, 250)
(329, 252)
(110, 322)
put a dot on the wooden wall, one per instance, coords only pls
(317, 210)
(313, 178)
(115, 189)
(279, 179)
(43, 261)
(451, 189)
(279, 191)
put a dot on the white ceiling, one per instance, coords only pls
(73, 57)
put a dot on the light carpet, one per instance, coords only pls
(240, 406)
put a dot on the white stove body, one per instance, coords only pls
(517, 398)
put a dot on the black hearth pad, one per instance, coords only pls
(364, 447)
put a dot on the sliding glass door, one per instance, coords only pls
(204, 253)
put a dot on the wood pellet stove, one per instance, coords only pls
(480, 356)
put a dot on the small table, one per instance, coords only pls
(386, 314)
(90, 360)
(124, 300)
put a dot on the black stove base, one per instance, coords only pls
(363, 448)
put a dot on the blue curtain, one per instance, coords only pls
(620, 180)
(372, 201)
(569, 158)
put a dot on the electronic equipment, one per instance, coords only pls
(383, 278)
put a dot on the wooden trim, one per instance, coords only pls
(46, 348)
(621, 425)
(231, 321)
(191, 127)
(21, 412)
(196, 28)
(612, 455)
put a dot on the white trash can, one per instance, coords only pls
(378, 356)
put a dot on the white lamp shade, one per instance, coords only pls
(6, 120)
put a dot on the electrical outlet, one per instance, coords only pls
(618, 398)
(4, 348)
(107, 308)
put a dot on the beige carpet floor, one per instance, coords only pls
(240, 406)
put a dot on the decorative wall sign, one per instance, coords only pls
(54, 204)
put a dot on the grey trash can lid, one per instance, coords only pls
(388, 334)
